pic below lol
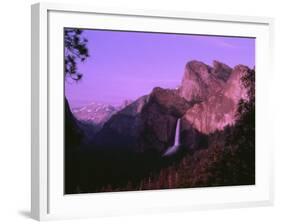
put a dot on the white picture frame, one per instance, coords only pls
(48, 201)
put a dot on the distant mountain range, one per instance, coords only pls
(97, 113)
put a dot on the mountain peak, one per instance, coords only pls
(199, 81)
(241, 68)
(195, 64)
(95, 112)
(217, 64)
(221, 70)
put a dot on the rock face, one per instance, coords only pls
(148, 124)
(219, 103)
(201, 81)
(221, 70)
(234, 88)
(213, 114)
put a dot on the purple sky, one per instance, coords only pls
(127, 65)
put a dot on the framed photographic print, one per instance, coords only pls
(148, 111)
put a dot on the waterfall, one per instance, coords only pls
(177, 135)
(173, 149)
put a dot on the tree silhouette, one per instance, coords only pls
(75, 50)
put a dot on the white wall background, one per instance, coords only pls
(15, 110)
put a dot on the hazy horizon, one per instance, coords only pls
(126, 65)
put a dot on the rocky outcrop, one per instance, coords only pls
(201, 81)
(213, 114)
(234, 88)
(219, 107)
(221, 70)
(169, 101)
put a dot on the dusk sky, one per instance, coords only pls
(127, 65)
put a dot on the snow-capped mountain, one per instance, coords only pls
(97, 113)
